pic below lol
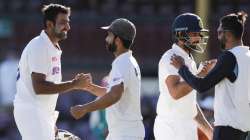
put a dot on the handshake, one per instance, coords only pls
(82, 81)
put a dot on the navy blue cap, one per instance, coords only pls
(188, 22)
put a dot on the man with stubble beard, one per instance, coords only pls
(39, 77)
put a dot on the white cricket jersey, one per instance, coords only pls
(167, 107)
(39, 56)
(124, 117)
(231, 105)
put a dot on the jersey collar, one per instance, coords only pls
(48, 41)
(125, 55)
(180, 50)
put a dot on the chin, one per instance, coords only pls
(63, 37)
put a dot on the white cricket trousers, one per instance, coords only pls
(165, 129)
(110, 137)
(33, 123)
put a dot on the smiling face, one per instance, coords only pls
(61, 26)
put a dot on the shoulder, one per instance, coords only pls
(121, 65)
(226, 60)
(227, 56)
(124, 66)
(166, 57)
(37, 44)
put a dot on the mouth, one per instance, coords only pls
(195, 43)
(64, 31)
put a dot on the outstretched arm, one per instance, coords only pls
(224, 68)
(96, 90)
(43, 87)
(104, 101)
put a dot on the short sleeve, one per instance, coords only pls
(166, 68)
(38, 59)
(115, 77)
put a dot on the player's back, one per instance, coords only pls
(126, 113)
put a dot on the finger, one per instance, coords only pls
(173, 58)
(72, 113)
(88, 74)
(79, 76)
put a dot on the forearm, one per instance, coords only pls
(47, 87)
(224, 68)
(101, 103)
(181, 90)
(96, 90)
(195, 82)
(201, 84)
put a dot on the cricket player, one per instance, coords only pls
(231, 79)
(177, 108)
(122, 97)
(39, 77)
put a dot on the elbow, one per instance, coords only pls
(38, 91)
(39, 88)
(175, 96)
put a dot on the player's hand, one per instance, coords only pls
(81, 81)
(177, 61)
(206, 67)
(78, 111)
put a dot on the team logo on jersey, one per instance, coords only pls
(54, 59)
(55, 70)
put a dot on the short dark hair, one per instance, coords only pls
(51, 11)
(234, 23)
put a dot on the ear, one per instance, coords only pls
(181, 42)
(229, 36)
(49, 24)
(118, 41)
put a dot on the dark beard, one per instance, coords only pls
(111, 47)
(60, 35)
(222, 45)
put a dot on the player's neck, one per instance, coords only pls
(52, 38)
(233, 44)
(118, 53)
(184, 48)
